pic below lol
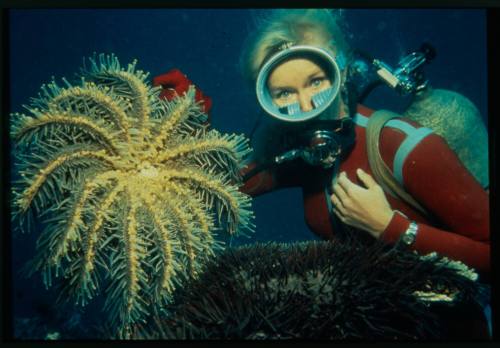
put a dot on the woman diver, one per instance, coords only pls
(316, 138)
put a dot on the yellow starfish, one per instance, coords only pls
(131, 188)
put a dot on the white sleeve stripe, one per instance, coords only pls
(360, 120)
(406, 147)
(406, 128)
(401, 125)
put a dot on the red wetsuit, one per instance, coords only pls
(458, 226)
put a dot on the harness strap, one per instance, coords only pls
(381, 172)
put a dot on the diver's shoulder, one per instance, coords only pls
(364, 113)
(395, 132)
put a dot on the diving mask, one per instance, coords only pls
(320, 101)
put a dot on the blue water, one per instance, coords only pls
(206, 44)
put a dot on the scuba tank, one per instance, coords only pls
(449, 114)
(456, 119)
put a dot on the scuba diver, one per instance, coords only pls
(360, 170)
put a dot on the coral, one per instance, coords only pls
(321, 290)
(130, 189)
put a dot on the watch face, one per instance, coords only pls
(410, 235)
(407, 239)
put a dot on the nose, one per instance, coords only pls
(305, 101)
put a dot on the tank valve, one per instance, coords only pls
(407, 77)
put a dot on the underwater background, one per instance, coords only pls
(206, 44)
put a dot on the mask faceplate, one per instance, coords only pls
(320, 101)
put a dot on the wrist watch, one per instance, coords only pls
(409, 236)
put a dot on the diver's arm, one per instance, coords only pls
(257, 179)
(261, 177)
(436, 178)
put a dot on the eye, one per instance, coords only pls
(317, 81)
(283, 94)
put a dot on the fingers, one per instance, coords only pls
(338, 206)
(339, 215)
(339, 191)
(339, 209)
(346, 191)
(366, 178)
(343, 186)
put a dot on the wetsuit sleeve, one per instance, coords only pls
(435, 177)
(257, 183)
(260, 179)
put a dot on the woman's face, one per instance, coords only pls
(296, 81)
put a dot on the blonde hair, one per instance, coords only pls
(315, 27)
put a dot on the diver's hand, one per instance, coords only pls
(360, 207)
(175, 83)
